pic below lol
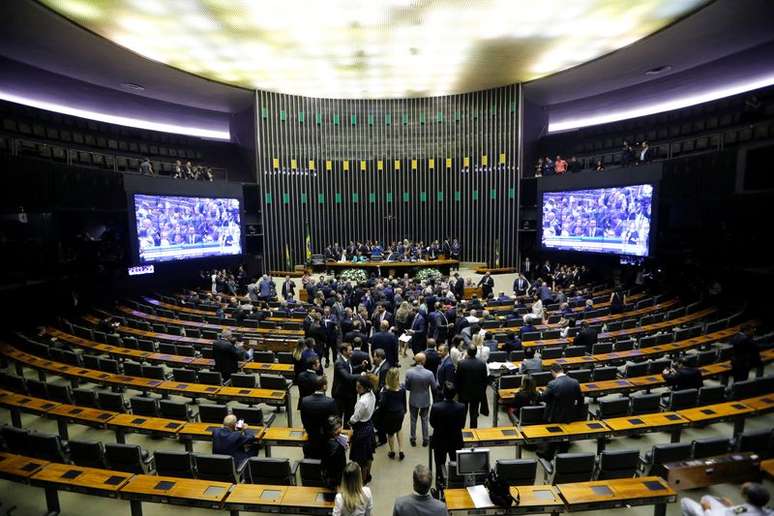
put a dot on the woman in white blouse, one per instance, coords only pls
(482, 352)
(362, 443)
(353, 499)
(457, 350)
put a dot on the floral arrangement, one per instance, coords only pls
(427, 274)
(355, 275)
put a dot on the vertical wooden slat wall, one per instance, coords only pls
(389, 200)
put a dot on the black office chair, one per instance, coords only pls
(756, 441)
(142, 406)
(658, 366)
(111, 401)
(184, 375)
(531, 415)
(245, 381)
(284, 357)
(174, 464)
(47, 447)
(548, 353)
(517, 472)
(274, 382)
(601, 374)
(167, 348)
(176, 410)
(264, 357)
(212, 413)
(60, 393)
(711, 395)
(90, 362)
(210, 378)
(744, 389)
(575, 351)
(154, 371)
(220, 468)
(16, 440)
(85, 398)
(582, 375)
(511, 381)
(645, 403)
(682, 399)
(615, 407)
(310, 473)
(710, 447)
(186, 351)
(618, 464)
(13, 383)
(108, 365)
(146, 345)
(270, 470)
(498, 356)
(87, 454)
(634, 370)
(569, 467)
(37, 389)
(624, 345)
(652, 463)
(132, 368)
(130, 458)
(251, 415)
(542, 378)
(516, 355)
(601, 347)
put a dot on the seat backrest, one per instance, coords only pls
(710, 447)
(625, 345)
(47, 447)
(270, 470)
(87, 454)
(310, 472)
(111, 401)
(85, 397)
(168, 348)
(542, 378)
(573, 467)
(247, 381)
(648, 341)
(264, 357)
(616, 407)
(91, 361)
(658, 366)
(251, 415)
(634, 370)
(575, 351)
(173, 464)
(284, 357)
(531, 415)
(618, 464)
(663, 453)
(599, 374)
(711, 394)
(13, 383)
(645, 403)
(153, 371)
(173, 409)
(511, 381)
(132, 368)
(60, 393)
(758, 441)
(37, 389)
(582, 375)
(186, 351)
(124, 457)
(275, 382)
(108, 365)
(215, 467)
(554, 352)
(744, 389)
(16, 440)
(498, 356)
(184, 375)
(212, 413)
(210, 377)
(517, 472)
(682, 399)
(142, 406)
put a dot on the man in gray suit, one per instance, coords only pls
(419, 381)
(420, 503)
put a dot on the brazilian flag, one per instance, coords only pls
(497, 254)
(288, 259)
(308, 245)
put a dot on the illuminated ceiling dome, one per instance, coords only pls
(373, 48)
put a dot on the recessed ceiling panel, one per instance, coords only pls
(373, 48)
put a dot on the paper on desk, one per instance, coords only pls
(405, 338)
(510, 366)
(480, 497)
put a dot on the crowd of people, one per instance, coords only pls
(631, 155)
(180, 171)
(396, 251)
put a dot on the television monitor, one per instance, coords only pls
(614, 220)
(173, 227)
(473, 461)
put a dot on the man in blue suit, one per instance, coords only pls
(445, 373)
(240, 443)
(419, 332)
(386, 340)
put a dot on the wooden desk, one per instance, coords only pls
(270, 498)
(767, 466)
(65, 414)
(647, 423)
(268, 396)
(610, 494)
(532, 500)
(178, 491)
(16, 403)
(575, 431)
(121, 423)
(730, 410)
(761, 404)
(190, 432)
(19, 468)
(285, 370)
(732, 468)
(67, 477)
(208, 313)
(393, 268)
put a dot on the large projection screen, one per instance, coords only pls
(612, 220)
(174, 227)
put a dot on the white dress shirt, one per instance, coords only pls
(364, 408)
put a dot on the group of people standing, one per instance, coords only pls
(396, 251)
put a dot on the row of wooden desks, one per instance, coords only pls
(211, 313)
(54, 477)
(580, 496)
(164, 387)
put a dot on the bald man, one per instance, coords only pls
(239, 442)
(419, 383)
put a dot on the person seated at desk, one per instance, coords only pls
(756, 497)
(512, 342)
(681, 376)
(526, 396)
(586, 337)
(532, 362)
(421, 502)
(234, 439)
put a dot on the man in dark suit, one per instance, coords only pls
(308, 378)
(380, 314)
(487, 284)
(355, 333)
(682, 376)
(439, 324)
(520, 285)
(288, 288)
(564, 404)
(344, 376)
(432, 358)
(386, 340)
(315, 410)
(586, 337)
(459, 287)
(419, 332)
(359, 355)
(239, 442)
(227, 354)
(471, 380)
(447, 417)
(380, 368)
(445, 373)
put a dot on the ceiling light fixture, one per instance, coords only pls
(659, 70)
(132, 86)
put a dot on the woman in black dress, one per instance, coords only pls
(392, 407)
(526, 396)
(363, 436)
(334, 454)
